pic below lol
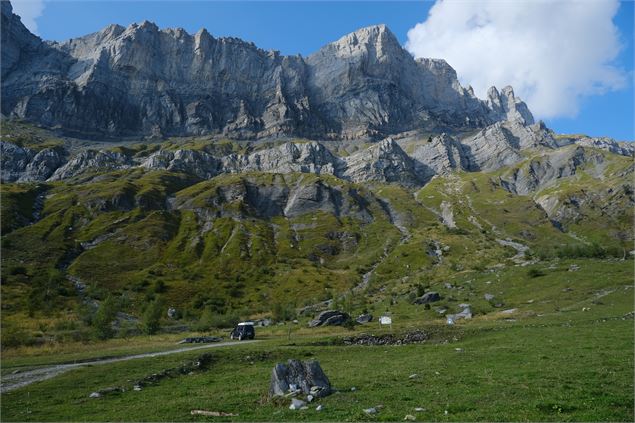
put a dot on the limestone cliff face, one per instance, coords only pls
(144, 81)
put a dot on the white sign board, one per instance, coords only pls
(385, 320)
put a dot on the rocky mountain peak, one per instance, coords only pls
(506, 106)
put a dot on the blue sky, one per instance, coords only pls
(301, 27)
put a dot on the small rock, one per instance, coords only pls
(488, 297)
(413, 376)
(574, 268)
(458, 349)
(319, 408)
(309, 398)
(296, 404)
(427, 298)
(136, 388)
(410, 417)
(371, 410)
(510, 311)
(15, 372)
(95, 395)
(364, 318)
(353, 389)
(420, 409)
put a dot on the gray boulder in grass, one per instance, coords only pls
(305, 376)
(330, 318)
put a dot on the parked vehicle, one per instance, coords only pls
(244, 330)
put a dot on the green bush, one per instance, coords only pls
(151, 319)
(282, 312)
(213, 320)
(535, 273)
(103, 318)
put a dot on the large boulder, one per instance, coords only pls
(428, 297)
(330, 318)
(306, 377)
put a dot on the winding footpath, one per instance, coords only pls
(21, 379)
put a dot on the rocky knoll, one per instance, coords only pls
(499, 145)
(146, 81)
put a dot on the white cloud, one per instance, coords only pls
(552, 52)
(29, 11)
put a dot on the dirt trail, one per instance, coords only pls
(19, 380)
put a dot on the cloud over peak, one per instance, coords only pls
(552, 53)
(28, 11)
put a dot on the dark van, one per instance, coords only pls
(244, 330)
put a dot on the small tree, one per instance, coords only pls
(152, 316)
(105, 315)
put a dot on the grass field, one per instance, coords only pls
(548, 361)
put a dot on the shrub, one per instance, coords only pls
(105, 315)
(210, 319)
(535, 273)
(283, 312)
(152, 316)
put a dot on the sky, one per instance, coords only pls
(571, 61)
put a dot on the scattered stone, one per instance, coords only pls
(441, 310)
(574, 268)
(306, 376)
(364, 318)
(448, 285)
(15, 372)
(353, 389)
(427, 298)
(420, 409)
(372, 410)
(413, 337)
(201, 340)
(498, 305)
(567, 289)
(263, 322)
(309, 398)
(488, 297)
(212, 413)
(509, 311)
(586, 308)
(413, 376)
(458, 349)
(136, 388)
(329, 318)
(296, 404)
(464, 305)
(106, 391)
(319, 408)
(410, 417)
(171, 313)
(202, 362)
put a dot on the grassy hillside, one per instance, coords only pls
(252, 245)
